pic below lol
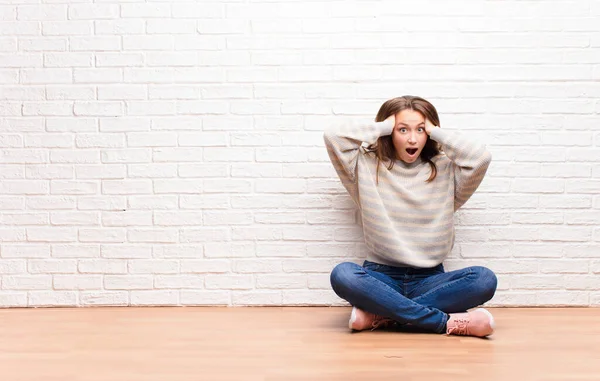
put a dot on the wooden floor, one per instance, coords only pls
(213, 344)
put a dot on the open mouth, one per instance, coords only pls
(411, 151)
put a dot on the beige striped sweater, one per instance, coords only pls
(406, 221)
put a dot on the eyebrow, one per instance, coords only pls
(404, 124)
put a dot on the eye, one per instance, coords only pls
(403, 130)
(421, 129)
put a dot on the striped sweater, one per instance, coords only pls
(406, 221)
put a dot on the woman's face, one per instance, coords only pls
(409, 135)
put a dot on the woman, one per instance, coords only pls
(407, 191)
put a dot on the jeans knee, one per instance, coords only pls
(487, 281)
(341, 275)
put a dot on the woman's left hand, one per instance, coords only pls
(429, 126)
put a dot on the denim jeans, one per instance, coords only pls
(419, 297)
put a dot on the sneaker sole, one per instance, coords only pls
(489, 315)
(352, 318)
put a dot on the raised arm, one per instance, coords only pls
(471, 161)
(343, 142)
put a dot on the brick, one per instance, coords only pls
(538, 218)
(229, 282)
(101, 203)
(331, 250)
(203, 202)
(52, 298)
(67, 28)
(12, 203)
(177, 186)
(102, 235)
(266, 233)
(513, 299)
(176, 91)
(152, 202)
(13, 299)
(104, 171)
(207, 139)
(31, 93)
(127, 282)
(205, 298)
(74, 156)
(16, 266)
(127, 218)
(65, 187)
(51, 234)
(280, 186)
(281, 218)
(96, 43)
(256, 298)
(118, 59)
(49, 140)
(179, 218)
(99, 108)
(150, 108)
(260, 170)
(229, 250)
(279, 282)
(177, 155)
(46, 76)
(125, 252)
(153, 266)
(127, 187)
(152, 235)
(205, 266)
(131, 155)
(154, 298)
(564, 266)
(103, 266)
(121, 92)
(179, 281)
(104, 298)
(177, 251)
(253, 266)
(24, 219)
(72, 93)
(77, 250)
(75, 218)
(562, 298)
(26, 282)
(310, 298)
(77, 282)
(565, 201)
(213, 218)
(205, 234)
(42, 12)
(538, 282)
(93, 11)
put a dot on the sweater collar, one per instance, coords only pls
(414, 164)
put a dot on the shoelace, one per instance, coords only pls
(380, 322)
(460, 327)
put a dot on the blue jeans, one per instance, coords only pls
(420, 297)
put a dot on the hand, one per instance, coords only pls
(429, 126)
(392, 119)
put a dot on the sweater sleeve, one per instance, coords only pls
(343, 142)
(470, 159)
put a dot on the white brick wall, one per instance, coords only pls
(170, 153)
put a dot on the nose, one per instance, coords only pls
(412, 138)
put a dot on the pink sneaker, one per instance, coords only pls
(360, 320)
(475, 323)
